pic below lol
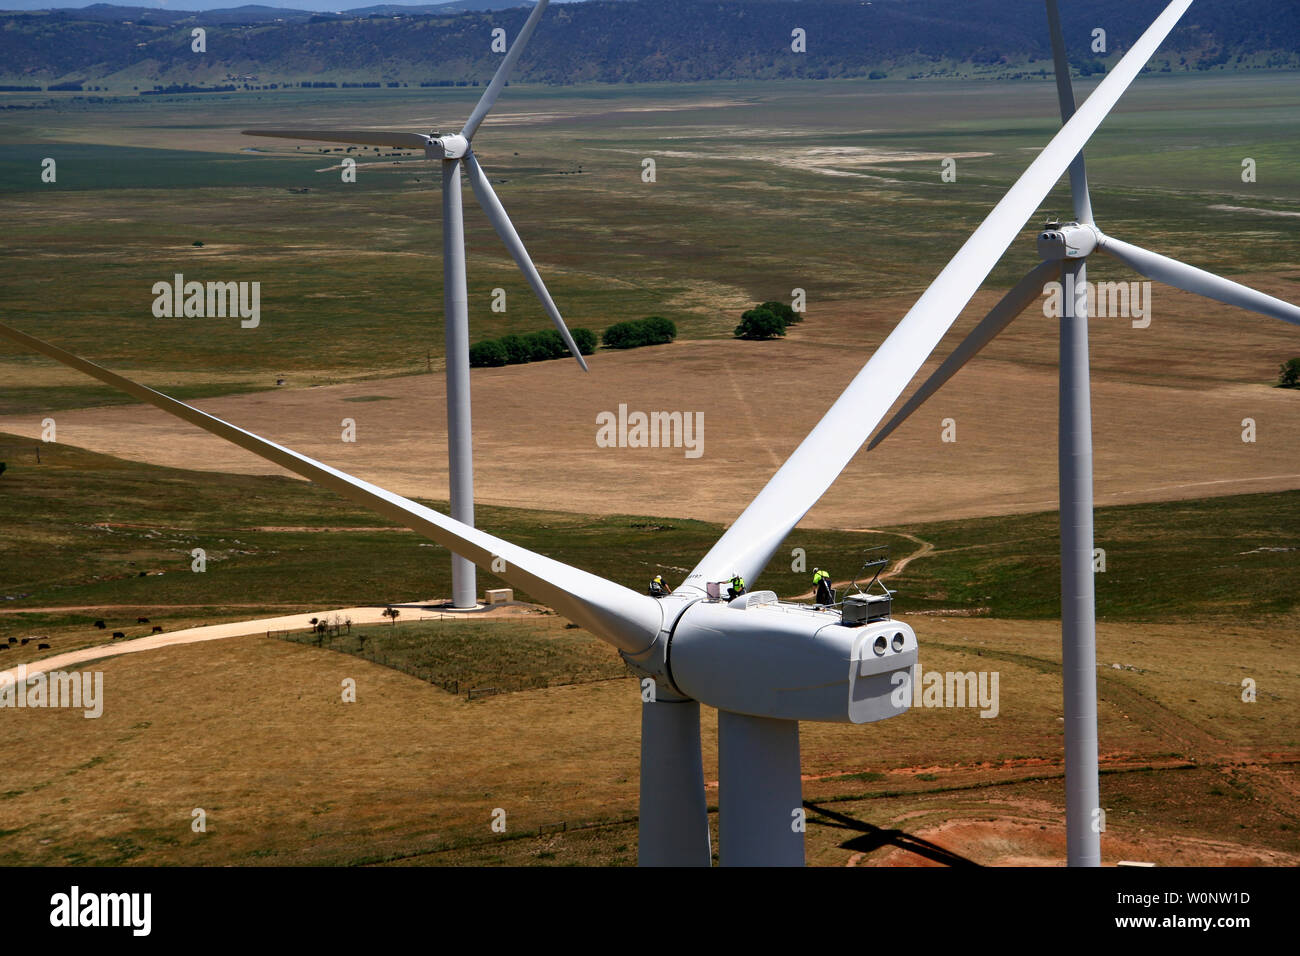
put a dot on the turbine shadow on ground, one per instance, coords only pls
(875, 837)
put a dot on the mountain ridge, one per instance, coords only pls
(619, 41)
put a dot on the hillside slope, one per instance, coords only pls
(617, 41)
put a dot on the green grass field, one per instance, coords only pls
(139, 183)
(464, 657)
(1182, 561)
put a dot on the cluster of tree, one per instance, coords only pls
(1289, 375)
(332, 625)
(547, 344)
(766, 321)
(533, 347)
(652, 330)
(186, 88)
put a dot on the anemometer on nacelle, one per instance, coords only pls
(866, 606)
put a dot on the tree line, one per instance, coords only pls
(548, 344)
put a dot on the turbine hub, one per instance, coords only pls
(1067, 240)
(454, 146)
(652, 662)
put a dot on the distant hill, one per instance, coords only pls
(617, 41)
(306, 7)
(453, 6)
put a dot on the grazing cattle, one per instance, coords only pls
(25, 640)
(101, 625)
(118, 634)
(13, 640)
(157, 629)
(142, 620)
(4, 647)
(42, 647)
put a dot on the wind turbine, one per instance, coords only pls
(1065, 248)
(765, 665)
(454, 151)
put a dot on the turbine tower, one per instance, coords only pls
(1064, 249)
(454, 151)
(763, 664)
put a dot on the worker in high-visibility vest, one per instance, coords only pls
(822, 585)
(658, 588)
(736, 587)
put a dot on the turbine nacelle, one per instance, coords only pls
(1059, 241)
(758, 656)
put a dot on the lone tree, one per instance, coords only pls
(760, 323)
(782, 311)
(392, 613)
(1289, 375)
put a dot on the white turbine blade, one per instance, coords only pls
(503, 72)
(622, 617)
(817, 462)
(361, 137)
(1021, 297)
(496, 213)
(1191, 279)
